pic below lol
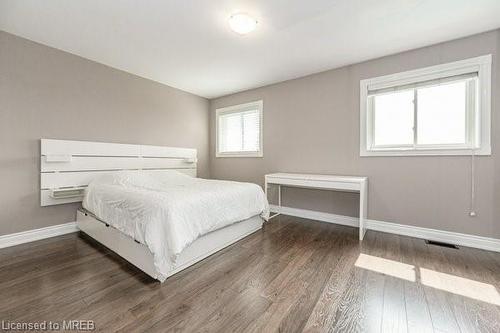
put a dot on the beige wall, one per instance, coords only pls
(311, 125)
(47, 93)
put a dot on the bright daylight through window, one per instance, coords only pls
(440, 110)
(239, 130)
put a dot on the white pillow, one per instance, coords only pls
(150, 180)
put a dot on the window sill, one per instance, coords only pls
(483, 151)
(258, 154)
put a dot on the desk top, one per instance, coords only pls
(315, 177)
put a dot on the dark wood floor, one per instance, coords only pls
(294, 275)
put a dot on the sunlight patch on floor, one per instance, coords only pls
(460, 286)
(386, 266)
(454, 284)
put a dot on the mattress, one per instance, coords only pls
(169, 210)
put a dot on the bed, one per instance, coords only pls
(148, 206)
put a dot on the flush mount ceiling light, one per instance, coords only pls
(242, 23)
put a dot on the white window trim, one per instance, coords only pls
(481, 64)
(235, 109)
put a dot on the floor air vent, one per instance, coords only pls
(451, 246)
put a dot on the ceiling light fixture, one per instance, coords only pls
(242, 23)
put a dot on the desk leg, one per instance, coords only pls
(279, 200)
(363, 205)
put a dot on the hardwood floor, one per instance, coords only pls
(294, 275)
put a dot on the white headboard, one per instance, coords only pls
(67, 167)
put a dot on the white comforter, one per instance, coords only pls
(169, 211)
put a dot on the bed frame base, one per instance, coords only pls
(139, 255)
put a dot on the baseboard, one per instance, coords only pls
(479, 242)
(484, 243)
(37, 234)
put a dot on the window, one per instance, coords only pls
(439, 110)
(239, 130)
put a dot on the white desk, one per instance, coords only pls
(324, 182)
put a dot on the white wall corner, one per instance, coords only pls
(37, 234)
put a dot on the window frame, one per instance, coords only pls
(479, 123)
(240, 108)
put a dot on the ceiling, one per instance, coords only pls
(187, 43)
